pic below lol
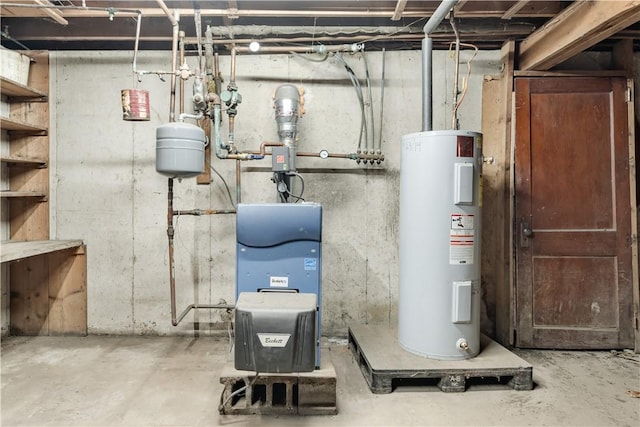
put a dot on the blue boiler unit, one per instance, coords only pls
(278, 252)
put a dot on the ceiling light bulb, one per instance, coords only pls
(254, 46)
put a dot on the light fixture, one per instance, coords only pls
(254, 46)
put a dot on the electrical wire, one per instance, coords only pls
(465, 81)
(307, 56)
(358, 88)
(237, 392)
(397, 31)
(225, 186)
(298, 198)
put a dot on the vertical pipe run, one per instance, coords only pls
(172, 270)
(238, 186)
(427, 47)
(427, 115)
(181, 37)
(174, 59)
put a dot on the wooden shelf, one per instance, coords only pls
(9, 124)
(14, 250)
(17, 90)
(40, 163)
(13, 194)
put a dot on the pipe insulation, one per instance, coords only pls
(270, 31)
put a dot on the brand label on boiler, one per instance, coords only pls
(274, 340)
(278, 282)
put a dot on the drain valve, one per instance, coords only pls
(462, 344)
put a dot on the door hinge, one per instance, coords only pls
(629, 94)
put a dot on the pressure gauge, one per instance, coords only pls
(324, 154)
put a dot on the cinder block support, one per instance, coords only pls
(305, 393)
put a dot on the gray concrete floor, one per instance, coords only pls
(174, 381)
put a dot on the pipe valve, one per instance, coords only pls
(462, 344)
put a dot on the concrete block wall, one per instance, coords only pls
(105, 189)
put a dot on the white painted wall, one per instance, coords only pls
(105, 189)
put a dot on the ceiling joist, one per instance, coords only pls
(578, 27)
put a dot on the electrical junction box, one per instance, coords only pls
(275, 332)
(280, 161)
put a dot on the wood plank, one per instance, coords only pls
(623, 57)
(499, 126)
(205, 177)
(29, 217)
(576, 28)
(10, 194)
(29, 300)
(493, 183)
(28, 220)
(9, 124)
(635, 268)
(14, 89)
(513, 10)
(23, 161)
(14, 250)
(68, 292)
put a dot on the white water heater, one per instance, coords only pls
(440, 230)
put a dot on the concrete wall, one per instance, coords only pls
(106, 191)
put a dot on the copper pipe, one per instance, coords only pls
(174, 58)
(238, 187)
(216, 76)
(264, 145)
(333, 155)
(232, 137)
(202, 306)
(199, 212)
(235, 13)
(172, 271)
(232, 82)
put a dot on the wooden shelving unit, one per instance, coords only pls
(47, 278)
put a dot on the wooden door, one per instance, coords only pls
(572, 215)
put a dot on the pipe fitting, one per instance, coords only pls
(462, 344)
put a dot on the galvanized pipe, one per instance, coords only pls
(427, 72)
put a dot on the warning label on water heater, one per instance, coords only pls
(461, 240)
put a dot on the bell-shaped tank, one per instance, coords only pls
(440, 200)
(180, 150)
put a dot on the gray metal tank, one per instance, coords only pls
(180, 150)
(440, 229)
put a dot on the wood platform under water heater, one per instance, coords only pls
(385, 365)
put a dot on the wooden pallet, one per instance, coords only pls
(301, 393)
(385, 365)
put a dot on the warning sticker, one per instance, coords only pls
(461, 240)
(461, 222)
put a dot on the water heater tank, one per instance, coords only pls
(440, 201)
(180, 150)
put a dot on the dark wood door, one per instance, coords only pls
(572, 215)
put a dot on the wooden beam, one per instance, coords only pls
(510, 13)
(578, 27)
(52, 11)
(397, 14)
